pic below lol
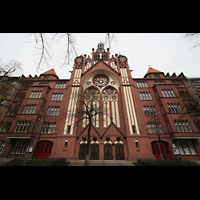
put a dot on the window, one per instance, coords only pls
(136, 144)
(169, 127)
(19, 147)
(145, 96)
(66, 142)
(4, 126)
(60, 85)
(29, 109)
(186, 147)
(185, 95)
(142, 84)
(68, 129)
(163, 111)
(154, 127)
(134, 129)
(48, 127)
(12, 111)
(46, 77)
(20, 96)
(22, 126)
(178, 83)
(174, 108)
(182, 126)
(159, 82)
(168, 93)
(2, 145)
(150, 110)
(36, 94)
(157, 75)
(43, 83)
(53, 111)
(57, 97)
(197, 123)
(157, 95)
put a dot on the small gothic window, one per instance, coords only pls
(95, 139)
(84, 139)
(136, 144)
(66, 141)
(107, 139)
(118, 139)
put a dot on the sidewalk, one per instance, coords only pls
(102, 163)
(4, 160)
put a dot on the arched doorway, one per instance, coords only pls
(43, 149)
(119, 150)
(156, 151)
(108, 152)
(82, 151)
(94, 155)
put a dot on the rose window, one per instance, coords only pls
(100, 80)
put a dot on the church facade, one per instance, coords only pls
(137, 113)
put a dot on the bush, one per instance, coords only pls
(36, 162)
(175, 162)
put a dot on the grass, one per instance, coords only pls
(175, 162)
(36, 162)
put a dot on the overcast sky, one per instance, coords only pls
(166, 52)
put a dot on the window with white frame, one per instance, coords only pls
(36, 94)
(4, 126)
(19, 146)
(145, 96)
(2, 145)
(154, 127)
(60, 85)
(48, 127)
(174, 108)
(168, 126)
(142, 84)
(186, 147)
(57, 97)
(53, 111)
(182, 126)
(168, 93)
(150, 110)
(22, 126)
(29, 109)
(159, 82)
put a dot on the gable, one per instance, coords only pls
(93, 132)
(101, 65)
(112, 130)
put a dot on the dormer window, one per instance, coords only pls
(157, 75)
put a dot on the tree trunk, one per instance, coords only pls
(88, 145)
(162, 149)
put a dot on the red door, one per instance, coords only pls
(156, 151)
(43, 149)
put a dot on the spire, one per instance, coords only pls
(100, 46)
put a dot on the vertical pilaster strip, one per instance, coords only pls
(128, 111)
(117, 114)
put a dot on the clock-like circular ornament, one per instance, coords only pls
(100, 80)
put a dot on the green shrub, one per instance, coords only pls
(175, 162)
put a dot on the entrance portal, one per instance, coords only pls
(156, 151)
(108, 152)
(43, 149)
(82, 151)
(94, 155)
(119, 150)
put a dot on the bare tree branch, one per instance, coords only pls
(193, 36)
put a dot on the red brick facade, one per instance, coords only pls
(136, 109)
